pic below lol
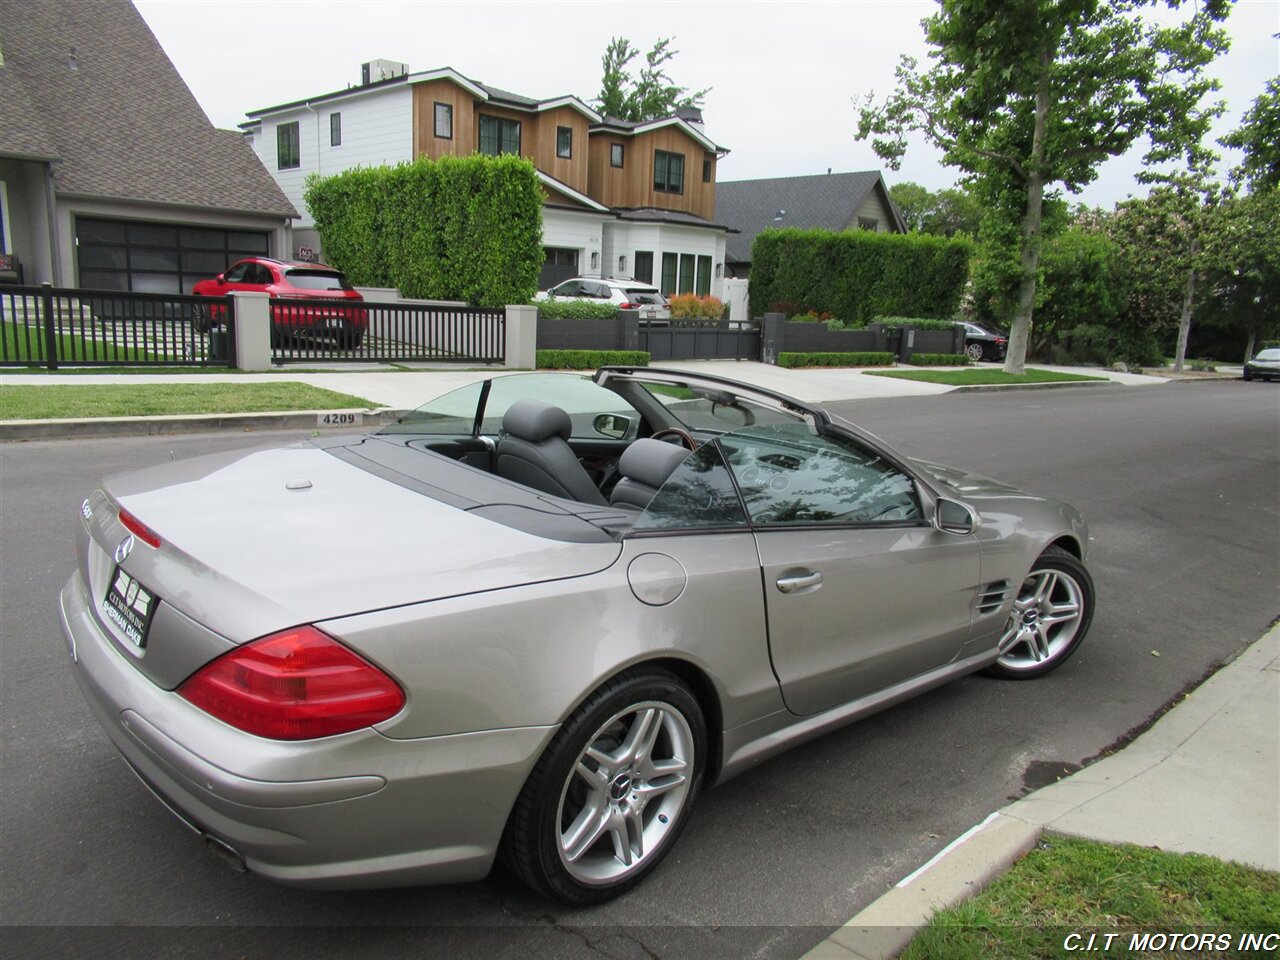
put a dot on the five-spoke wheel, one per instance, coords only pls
(1049, 618)
(612, 791)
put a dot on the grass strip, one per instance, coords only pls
(980, 376)
(77, 401)
(1050, 902)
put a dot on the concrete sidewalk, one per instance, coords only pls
(1204, 779)
(393, 390)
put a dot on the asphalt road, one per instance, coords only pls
(1179, 484)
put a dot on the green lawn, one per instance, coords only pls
(73, 401)
(26, 343)
(1068, 886)
(979, 376)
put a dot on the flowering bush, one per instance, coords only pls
(690, 306)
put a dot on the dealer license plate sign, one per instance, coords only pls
(130, 606)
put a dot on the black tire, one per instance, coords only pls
(556, 796)
(352, 339)
(1047, 645)
(201, 320)
(1248, 375)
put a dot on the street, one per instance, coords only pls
(1179, 485)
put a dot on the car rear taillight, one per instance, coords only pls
(139, 529)
(295, 685)
(628, 306)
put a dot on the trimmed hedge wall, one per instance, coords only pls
(457, 228)
(576, 310)
(939, 360)
(835, 359)
(858, 275)
(590, 359)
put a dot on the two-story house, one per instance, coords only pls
(622, 199)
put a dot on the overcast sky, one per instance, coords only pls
(784, 75)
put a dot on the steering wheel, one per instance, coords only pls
(685, 436)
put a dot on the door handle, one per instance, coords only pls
(800, 582)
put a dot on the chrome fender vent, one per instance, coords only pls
(992, 596)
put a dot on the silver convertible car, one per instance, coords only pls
(534, 618)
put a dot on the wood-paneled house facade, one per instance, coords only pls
(622, 199)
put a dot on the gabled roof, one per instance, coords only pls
(576, 197)
(116, 114)
(827, 201)
(630, 128)
(481, 91)
(658, 215)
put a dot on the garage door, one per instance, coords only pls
(157, 257)
(561, 264)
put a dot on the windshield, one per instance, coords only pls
(1268, 355)
(711, 410)
(317, 280)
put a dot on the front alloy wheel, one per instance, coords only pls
(1050, 616)
(974, 352)
(612, 792)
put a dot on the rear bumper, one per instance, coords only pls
(355, 810)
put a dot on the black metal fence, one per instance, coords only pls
(48, 326)
(709, 340)
(335, 331)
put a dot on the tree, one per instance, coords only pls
(945, 213)
(1259, 137)
(1033, 93)
(1242, 254)
(653, 94)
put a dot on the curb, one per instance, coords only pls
(1050, 385)
(18, 430)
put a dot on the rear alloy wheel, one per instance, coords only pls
(612, 792)
(200, 319)
(1050, 617)
(974, 352)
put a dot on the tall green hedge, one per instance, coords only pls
(857, 275)
(457, 228)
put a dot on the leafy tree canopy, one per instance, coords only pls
(1259, 137)
(649, 96)
(944, 213)
(1035, 93)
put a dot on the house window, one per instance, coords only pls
(704, 276)
(622, 264)
(615, 155)
(668, 172)
(644, 265)
(686, 272)
(444, 121)
(668, 285)
(595, 260)
(707, 167)
(868, 223)
(288, 154)
(564, 142)
(335, 129)
(498, 135)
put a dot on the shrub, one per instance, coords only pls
(690, 306)
(813, 316)
(857, 275)
(575, 310)
(590, 359)
(939, 360)
(835, 359)
(457, 228)
(920, 323)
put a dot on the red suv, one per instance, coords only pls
(289, 280)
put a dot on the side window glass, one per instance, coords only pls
(237, 273)
(790, 475)
(583, 400)
(699, 493)
(453, 414)
(570, 288)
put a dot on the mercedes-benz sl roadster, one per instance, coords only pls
(533, 619)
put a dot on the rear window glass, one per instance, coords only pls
(317, 280)
(646, 296)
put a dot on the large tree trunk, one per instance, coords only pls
(1184, 322)
(1015, 360)
(1248, 348)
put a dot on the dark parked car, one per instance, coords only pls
(1265, 366)
(328, 311)
(518, 623)
(983, 344)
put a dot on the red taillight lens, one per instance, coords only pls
(295, 685)
(139, 529)
(628, 306)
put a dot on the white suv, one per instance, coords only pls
(627, 294)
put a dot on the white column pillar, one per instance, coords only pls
(522, 336)
(253, 330)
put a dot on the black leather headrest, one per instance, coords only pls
(535, 421)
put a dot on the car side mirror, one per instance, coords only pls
(612, 425)
(951, 516)
(221, 278)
